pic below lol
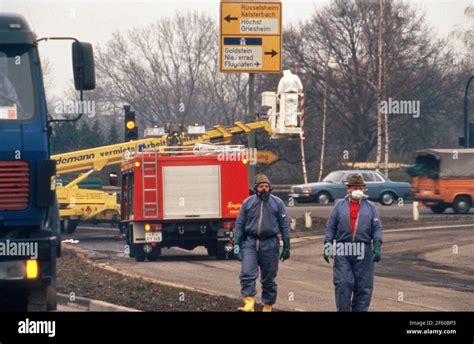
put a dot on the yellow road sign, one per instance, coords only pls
(246, 18)
(251, 54)
(250, 37)
(266, 157)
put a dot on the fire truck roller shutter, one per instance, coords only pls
(192, 192)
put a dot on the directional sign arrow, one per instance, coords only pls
(266, 157)
(273, 53)
(229, 18)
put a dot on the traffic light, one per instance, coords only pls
(470, 142)
(131, 129)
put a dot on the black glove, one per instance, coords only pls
(377, 252)
(327, 253)
(285, 254)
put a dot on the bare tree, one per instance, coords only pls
(169, 72)
(413, 65)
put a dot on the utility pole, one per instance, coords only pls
(323, 134)
(466, 117)
(251, 135)
(379, 88)
(303, 159)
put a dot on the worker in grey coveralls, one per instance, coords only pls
(353, 220)
(262, 216)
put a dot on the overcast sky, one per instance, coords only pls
(95, 21)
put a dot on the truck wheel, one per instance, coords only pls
(140, 257)
(462, 204)
(70, 226)
(221, 253)
(37, 299)
(439, 208)
(212, 250)
(52, 297)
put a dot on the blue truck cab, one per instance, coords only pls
(29, 220)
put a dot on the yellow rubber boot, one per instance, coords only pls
(249, 304)
(267, 308)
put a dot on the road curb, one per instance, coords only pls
(91, 305)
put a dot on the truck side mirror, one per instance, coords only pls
(113, 179)
(83, 66)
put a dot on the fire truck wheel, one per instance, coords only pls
(140, 257)
(221, 254)
(153, 257)
(212, 250)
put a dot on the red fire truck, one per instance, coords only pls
(183, 197)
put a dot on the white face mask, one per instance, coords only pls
(357, 194)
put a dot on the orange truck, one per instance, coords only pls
(444, 178)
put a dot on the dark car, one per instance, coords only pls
(379, 188)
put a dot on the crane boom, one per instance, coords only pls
(97, 158)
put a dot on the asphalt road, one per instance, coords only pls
(421, 270)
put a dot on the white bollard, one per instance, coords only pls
(292, 224)
(307, 220)
(416, 211)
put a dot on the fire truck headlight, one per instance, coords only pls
(147, 227)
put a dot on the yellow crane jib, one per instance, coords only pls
(97, 158)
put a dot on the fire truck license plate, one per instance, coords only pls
(153, 237)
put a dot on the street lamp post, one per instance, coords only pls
(466, 119)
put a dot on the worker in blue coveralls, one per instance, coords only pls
(354, 224)
(262, 216)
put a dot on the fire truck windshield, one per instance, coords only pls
(17, 90)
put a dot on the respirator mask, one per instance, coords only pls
(357, 194)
